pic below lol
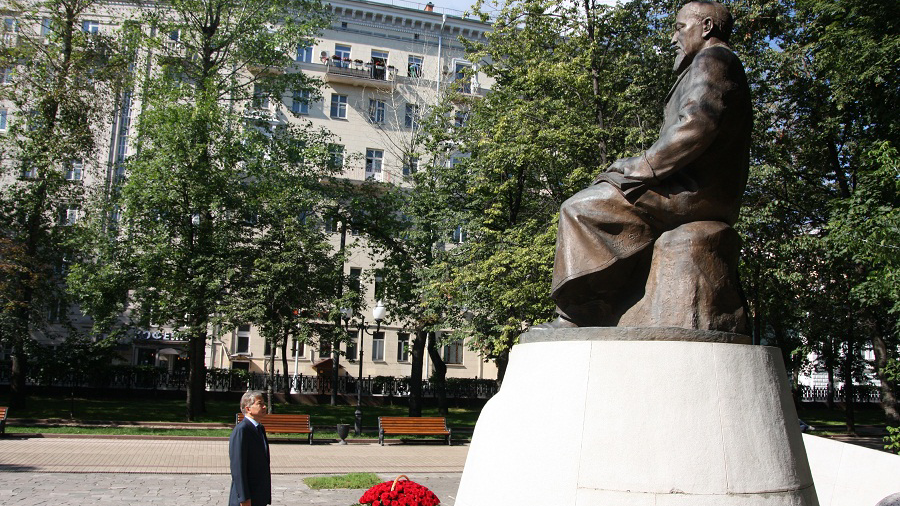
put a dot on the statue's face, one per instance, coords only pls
(689, 35)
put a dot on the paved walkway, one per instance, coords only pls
(75, 472)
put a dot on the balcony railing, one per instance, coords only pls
(359, 74)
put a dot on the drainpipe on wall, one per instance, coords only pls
(440, 47)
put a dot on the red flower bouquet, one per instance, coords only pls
(399, 493)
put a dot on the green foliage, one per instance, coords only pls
(61, 85)
(892, 440)
(208, 175)
(351, 480)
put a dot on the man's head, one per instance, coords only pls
(253, 404)
(699, 24)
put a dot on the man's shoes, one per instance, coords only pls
(559, 323)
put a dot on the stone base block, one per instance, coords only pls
(619, 417)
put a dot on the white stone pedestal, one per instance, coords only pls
(649, 417)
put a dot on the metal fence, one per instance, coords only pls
(861, 393)
(226, 380)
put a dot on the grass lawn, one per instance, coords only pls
(362, 481)
(821, 416)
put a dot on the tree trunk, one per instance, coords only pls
(502, 361)
(848, 390)
(17, 388)
(796, 390)
(888, 396)
(196, 390)
(829, 392)
(286, 379)
(270, 384)
(335, 363)
(440, 374)
(417, 351)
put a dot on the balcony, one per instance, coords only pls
(359, 74)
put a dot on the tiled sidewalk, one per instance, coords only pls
(117, 472)
(96, 455)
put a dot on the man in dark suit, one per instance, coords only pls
(248, 450)
(695, 172)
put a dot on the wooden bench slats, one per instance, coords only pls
(277, 423)
(3, 410)
(425, 426)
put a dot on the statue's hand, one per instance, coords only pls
(619, 165)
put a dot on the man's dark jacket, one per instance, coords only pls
(251, 478)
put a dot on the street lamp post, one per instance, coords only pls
(362, 329)
(295, 388)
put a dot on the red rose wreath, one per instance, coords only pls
(399, 493)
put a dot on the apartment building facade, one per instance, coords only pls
(382, 66)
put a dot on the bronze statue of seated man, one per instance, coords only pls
(655, 229)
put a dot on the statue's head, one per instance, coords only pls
(699, 24)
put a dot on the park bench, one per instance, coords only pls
(412, 426)
(3, 410)
(284, 424)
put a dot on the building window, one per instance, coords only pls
(460, 119)
(55, 311)
(330, 224)
(463, 82)
(68, 216)
(410, 165)
(456, 160)
(304, 54)
(74, 170)
(414, 66)
(353, 281)
(352, 347)
(412, 116)
(336, 156)
(260, 98)
(46, 27)
(28, 172)
(459, 235)
(267, 348)
(3, 116)
(6, 75)
(324, 349)
(374, 159)
(90, 26)
(10, 27)
(453, 353)
(402, 347)
(379, 284)
(298, 348)
(300, 102)
(242, 343)
(115, 215)
(341, 55)
(338, 106)
(378, 347)
(379, 64)
(376, 110)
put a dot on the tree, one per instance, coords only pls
(287, 270)
(822, 177)
(206, 148)
(61, 78)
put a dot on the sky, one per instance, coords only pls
(455, 5)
